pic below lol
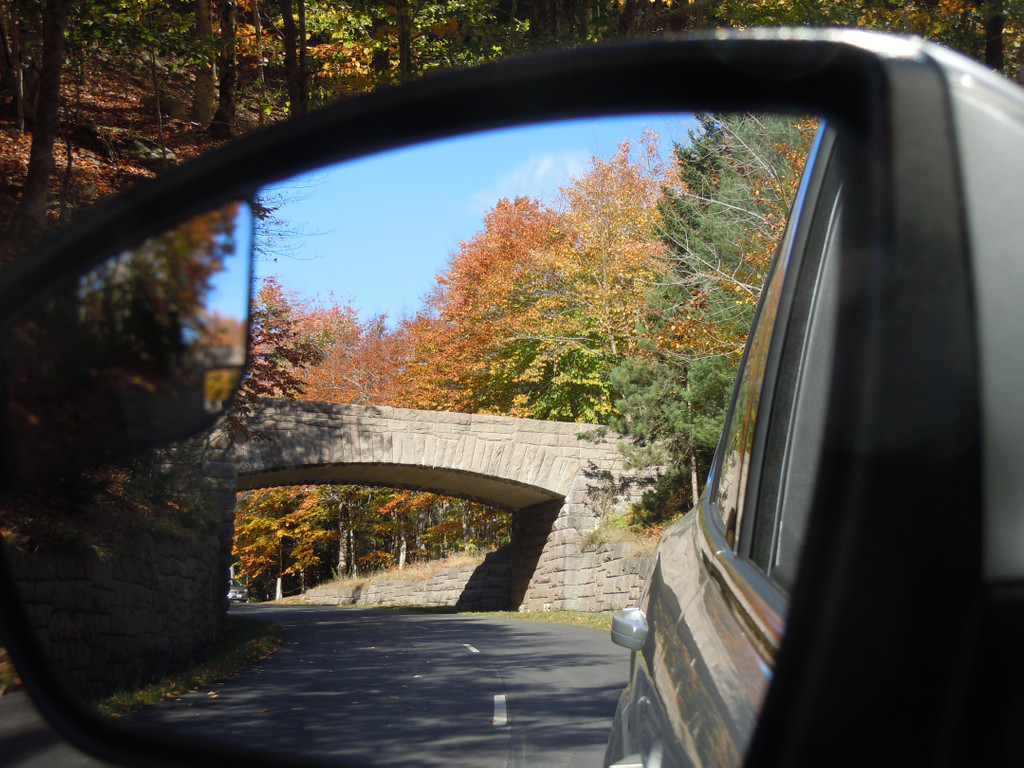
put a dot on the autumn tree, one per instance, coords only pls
(304, 535)
(278, 353)
(278, 535)
(464, 355)
(360, 361)
(721, 221)
(583, 299)
(535, 310)
(31, 211)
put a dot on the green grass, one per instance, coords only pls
(244, 643)
(573, 618)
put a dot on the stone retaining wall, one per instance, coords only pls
(609, 578)
(115, 622)
(559, 480)
(604, 578)
(477, 587)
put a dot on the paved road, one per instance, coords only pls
(27, 741)
(381, 687)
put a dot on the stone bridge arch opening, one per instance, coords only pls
(532, 510)
(557, 480)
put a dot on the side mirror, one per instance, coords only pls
(629, 629)
(120, 336)
(143, 348)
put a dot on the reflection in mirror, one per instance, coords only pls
(146, 346)
(443, 329)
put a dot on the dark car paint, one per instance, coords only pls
(715, 619)
(892, 589)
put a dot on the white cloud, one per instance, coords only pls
(539, 176)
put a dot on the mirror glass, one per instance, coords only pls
(145, 347)
(440, 335)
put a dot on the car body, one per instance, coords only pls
(710, 625)
(237, 593)
(877, 416)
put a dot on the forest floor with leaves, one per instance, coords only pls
(110, 111)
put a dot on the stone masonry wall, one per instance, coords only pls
(559, 480)
(117, 621)
(479, 587)
(602, 579)
(610, 578)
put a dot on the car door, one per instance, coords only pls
(715, 603)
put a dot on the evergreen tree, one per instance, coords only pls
(720, 221)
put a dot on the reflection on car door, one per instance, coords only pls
(715, 602)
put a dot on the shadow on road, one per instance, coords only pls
(388, 687)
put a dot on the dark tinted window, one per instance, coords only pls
(797, 425)
(737, 441)
(769, 452)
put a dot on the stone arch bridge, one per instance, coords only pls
(557, 480)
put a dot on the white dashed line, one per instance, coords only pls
(500, 710)
(471, 648)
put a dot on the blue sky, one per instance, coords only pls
(374, 233)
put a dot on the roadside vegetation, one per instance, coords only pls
(9, 680)
(245, 642)
(571, 618)
(104, 509)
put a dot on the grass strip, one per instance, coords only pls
(245, 642)
(573, 618)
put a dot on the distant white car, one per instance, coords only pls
(237, 592)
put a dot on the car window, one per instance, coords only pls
(797, 425)
(769, 449)
(737, 440)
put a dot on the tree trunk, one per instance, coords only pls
(543, 20)
(261, 61)
(303, 71)
(203, 96)
(694, 479)
(994, 25)
(69, 121)
(552, 20)
(294, 74)
(421, 526)
(404, 39)
(343, 526)
(31, 215)
(402, 547)
(353, 568)
(223, 124)
(11, 61)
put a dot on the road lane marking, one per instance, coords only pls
(500, 710)
(471, 648)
